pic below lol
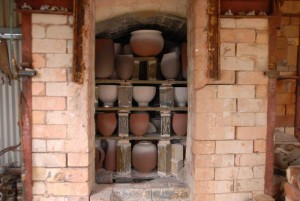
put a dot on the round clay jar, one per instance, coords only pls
(144, 157)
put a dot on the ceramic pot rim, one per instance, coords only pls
(145, 31)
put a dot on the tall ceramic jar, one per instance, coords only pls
(146, 43)
(106, 123)
(125, 66)
(138, 123)
(144, 157)
(170, 65)
(104, 58)
(110, 162)
(179, 124)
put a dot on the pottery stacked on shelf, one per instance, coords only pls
(143, 95)
(138, 123)
(180, 96)
(179, 123)
(108, 94)
(124, 66)
(106, 123)
(144, 157)
(104, 58)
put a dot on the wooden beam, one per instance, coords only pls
(37, 4)
(297, 116)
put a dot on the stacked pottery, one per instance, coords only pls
(170, 65)
(108, 94)
(180, 96)
(184, 60)
(179, 124)
(110, 162)
(143, 95)
(144, 157)
(106, 123)
(100, 156)
(146, 43)
(104, 58)
(138, 123)
(125, 66)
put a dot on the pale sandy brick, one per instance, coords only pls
(203, 147)
(204, 197)
(227, 23)
(260, 146)
(227, 77)
(59, 60)
(235, 63)
(206, 161)
(62, 117)
(49, 46)
(49, 19)
(50, 75)
(233, 197)
(38, 89)
(261, 64)
(49, 131)
(78, 159)
(261, 119)
(261, 92)
(38, 60)
(47, 198)
(77, 145)
(227, 49)
(252, 105)
(204, 174)
(262, 37)
(214, 187)
(38, 188)
(38, 145)
(215, 133)
(55, 145)
(39, 174)
(63, 89)
(253, 50)
(234, 147)
(249, 185)
(208, 92)
(280, 110)
(292, 55)
(237, 35)
(216, 105)
(231, 173)
(70, 46)
(38, 31)
(59, 32)
(256, 78)
(251, 133)
(224, 119)
(236, 91)
(259, 172)
(254, 159)
(48, 160)
(67, 175)
(243, 119)
(290, 130)
(70, 19)
(256, 23)
(291, 31)
(48, 103)
(68, 189)
(38, 117)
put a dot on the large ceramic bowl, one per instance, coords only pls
(180, 96)
(146, 43)
(107, 94)
(143, 94)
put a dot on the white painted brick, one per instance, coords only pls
(38, 31)
(55, 145)
(38, 145)
(48, 160)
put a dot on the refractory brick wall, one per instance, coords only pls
(229, 133)
(62, 139)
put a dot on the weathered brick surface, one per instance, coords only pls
(234, 147)
(49, 160)
(231, 173)
(237, 35)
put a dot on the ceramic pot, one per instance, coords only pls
(156, 123)
(127, 49)
(184, 60)
(143, 95)
(108, 94)
(170, 65)
(100, 156)
(144, 157)
(118, 48)
(146, 43)
(125, 66)
(106, 123)
(180, 96)
(110, 161)
(104, 58)
(138, 123)
(179, 124)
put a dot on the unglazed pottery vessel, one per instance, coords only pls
(118, 48)
(100, 156)
(180, 96)
(110, 162)
(179, 124)
(106, 123)
(184, 60)
(104, 58)
(144, 157)
(125, 66)
(157, 123)
(138, 123)
(108, 94)
(146, 43)
(170, 65)
(127, 49)
(143, 95)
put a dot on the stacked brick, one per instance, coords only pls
(288, 42)
(62, 153)
(229, 138)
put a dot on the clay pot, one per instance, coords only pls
(170, 65)
(157, 123)
(179, 124)
(104, 58)
(184, 60)
(117, 48)
(100, 156)
(106, 123)
(146, 43)
(125, 66)
(138, 123)
(110, 162)
(127, 49)
(144, 157)
(108, 94)
(143, 95)
(180, 96)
